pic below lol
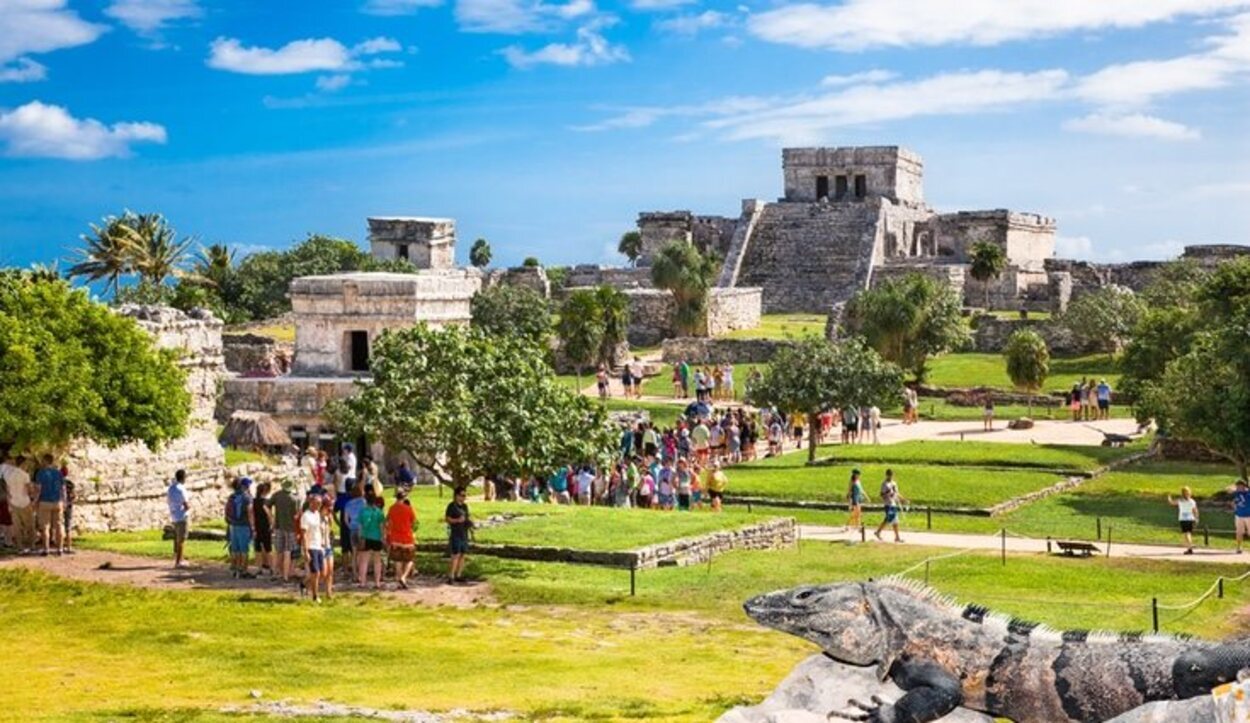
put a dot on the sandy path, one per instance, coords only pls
(156, 574)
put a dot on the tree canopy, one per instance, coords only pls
(1104, 319)
(480, 253)
(581, 328)
(908, 320)
(814, 374)
(986, 261)
(72, 369)
(466, 405)
(680, 268)
(141, 244)
(506, 310)
(630, 246)
(1028, 361)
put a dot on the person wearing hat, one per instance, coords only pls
(284, 508)
(1241, 510)
(240, 525)
(855, 499)
(715, 482)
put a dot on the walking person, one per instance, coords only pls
(327, 537)
(284, 509)
(1074, 402)
(369, 521)
(240, 526)
(987, 413)
(460, 525)
(313, 545)
(855, 499)
(601, 381)
(21, 504)
(262, 516)
(179, 514)
(67, 513)
(684, 479)
(1241, 511)
(401, 523)
(635, 373)
(1187, 515)
(892, 499)
(51, 484)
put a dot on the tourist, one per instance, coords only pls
(349, 526)
(850, 424)
(1187, 515)
(585, 485)
(718, 382)
(874, 422)
(855, 499)
(650, 440)
(700, 438)
(727, 378)
(558, 483)
(909, 406)
(865, 421)
(51, 484)
(684, 369)
(348, 461)
(646, 490)
(322, 469)
(284, 509)
(1086, 411)
(327, 538)
(179, 514)
(636, 371)
(601, 381)
(6, 518)
(684, 483)
(892, 499)
(404, 478)
(664, 484)
(67, 514)
(313, 545)
(22, 496)
(734, 435)
(401, 522)
(715, 442)
(1103, 394)
(369, 521)
(1241, 511)
(369, 476)
(775, 436)
(460, 525)
(987, 413)
(715, 482)
(262, 539)
(240, 525)
(1074, 402)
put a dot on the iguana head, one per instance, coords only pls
(844, 619)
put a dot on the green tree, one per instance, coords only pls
(465, 405)
(480, 254)
(531, 262)
(107, 254)
(630, 246)
(986, 261)
(1166, 330)
(814, 374)
(688, 275)
(614, 310)
(581, 329)
(511, 311)
(214, 266)
(909, 320)
(157, 252)
(72, 369)
(1028, 362)
(1104, 319)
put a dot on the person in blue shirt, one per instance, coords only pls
(1103, 392)
(51, 484)
(1241, 510)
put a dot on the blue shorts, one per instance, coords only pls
(240, 539)
(459, 545)
(329, 553)
(891, 515)
(316, 561)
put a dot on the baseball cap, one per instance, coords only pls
(1242, 483)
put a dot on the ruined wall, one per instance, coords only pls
(713, 234)
(701, 350)
(620, 277)
(733, 309)
(247, 352)
(1087, 276)
(954, 275)
(651, 313)
(124, 488)
(530, 277)
(660, 228)
(991, 333)
(429, 243)
(1028, 239)
(889, 172)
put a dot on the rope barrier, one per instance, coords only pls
(1210, 591)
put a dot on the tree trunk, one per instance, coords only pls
(987, 295)
(1242, 464)
(813, 423)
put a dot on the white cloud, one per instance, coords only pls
(1132, 84)
(1136, 125)
(1073, 247)
(516, 16)
(331, 83)
(22, 70)
(303, 56)
(1225, 189)
(591, 48)
(870, 76)
(148, 17)
(41, 26)
(659, 4)
(374, 46)
(49, 131)
(692, 24)
(862, 24)
(397, 7)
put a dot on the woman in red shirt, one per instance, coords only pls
(401, 521)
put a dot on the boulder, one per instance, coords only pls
(1021, 423)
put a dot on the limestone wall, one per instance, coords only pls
(733, 309)
(651, 312)
(429, 243)
(247, 352)
(1028, 239)
(888, 171)
(713, 234)
(530, 277)
(620, 277)
(124, 488)
(990, 335)
(701, 350)
(660, 228)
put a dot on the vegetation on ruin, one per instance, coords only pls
(511, 311)
(592, 324)
(689, 275)
(480, 253)
(986, 262)
(1104, 319)
(1028, 362)
(909, 321)
(814, 375)
(630, 246)
(72, 369)
(467, 405)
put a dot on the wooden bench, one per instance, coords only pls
(1071, 549)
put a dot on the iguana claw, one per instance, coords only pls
(869, 711)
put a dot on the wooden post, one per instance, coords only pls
(926, 572)
(928, 518)
(1099, 523)
(863, 533)
(1206, 536)
(1154, 612)
(1108, 540)
(1004, 536)
(1048, 550)
(1219, 587)
(633, 569)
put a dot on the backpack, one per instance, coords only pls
(236, 509)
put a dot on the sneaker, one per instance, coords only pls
(403, 585)
(1190, 551)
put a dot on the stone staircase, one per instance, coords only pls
(808, 257)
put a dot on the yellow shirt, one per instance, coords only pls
(714, 481)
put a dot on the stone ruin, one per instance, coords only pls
(124, 488)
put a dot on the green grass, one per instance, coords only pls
(972, 453)
(282, 333)
(661, 385)
(940, 410)
(663, 413)
(243, 456)
(990, 370)
(782, 326)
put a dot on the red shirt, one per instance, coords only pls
(399, 522)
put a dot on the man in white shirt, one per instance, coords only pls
(179, 509)
(313, 544)
(17, 482)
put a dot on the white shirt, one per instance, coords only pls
(351, 464)
(178, 501)
(1186, 509)
(310, 522)
(19, 485)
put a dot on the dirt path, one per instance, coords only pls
(1025, 544)
(157, 574)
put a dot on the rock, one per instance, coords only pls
(255, 693)
(820, 685)
(1193, 710)
(1021, 423)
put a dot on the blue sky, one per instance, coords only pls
(546, 126)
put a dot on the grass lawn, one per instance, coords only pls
(282, 333)
(243, 456)
(989, 454)
(661, 385)
(940, 410)
(782, 326)
(975, 369)
(662, 413)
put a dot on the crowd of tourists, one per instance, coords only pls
(1089, 400)
(36, 506)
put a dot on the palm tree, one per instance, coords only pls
(158, 254)
(213, 265)
(614, 306)
(689, 275)
(108, 253)
(987, 260)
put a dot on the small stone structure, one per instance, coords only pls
(248, 352)
(428, 243)
(124, 488)
(651, 312)
(702, 350)
(990, 334)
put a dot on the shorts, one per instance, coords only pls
(1187, 525)
(459, 545)
(644, 501)
(1243, 525)
(373, 545)
(329, 553)
(666, 500)
(891, 515)
(402, 553)
(1075, 406)
(263, 541)
(627, 380)
(715, 495)
(1104, 403)
(987, 413)
(49, 514)
(697, 496)
(851, 426)
(284, 542)
(240, 539)
(6, 518)
(316, 562)
(683, 502)
(180, 531)
(650, 449)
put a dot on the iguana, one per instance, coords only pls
(945, 655)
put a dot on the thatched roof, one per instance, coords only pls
(249, 430)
